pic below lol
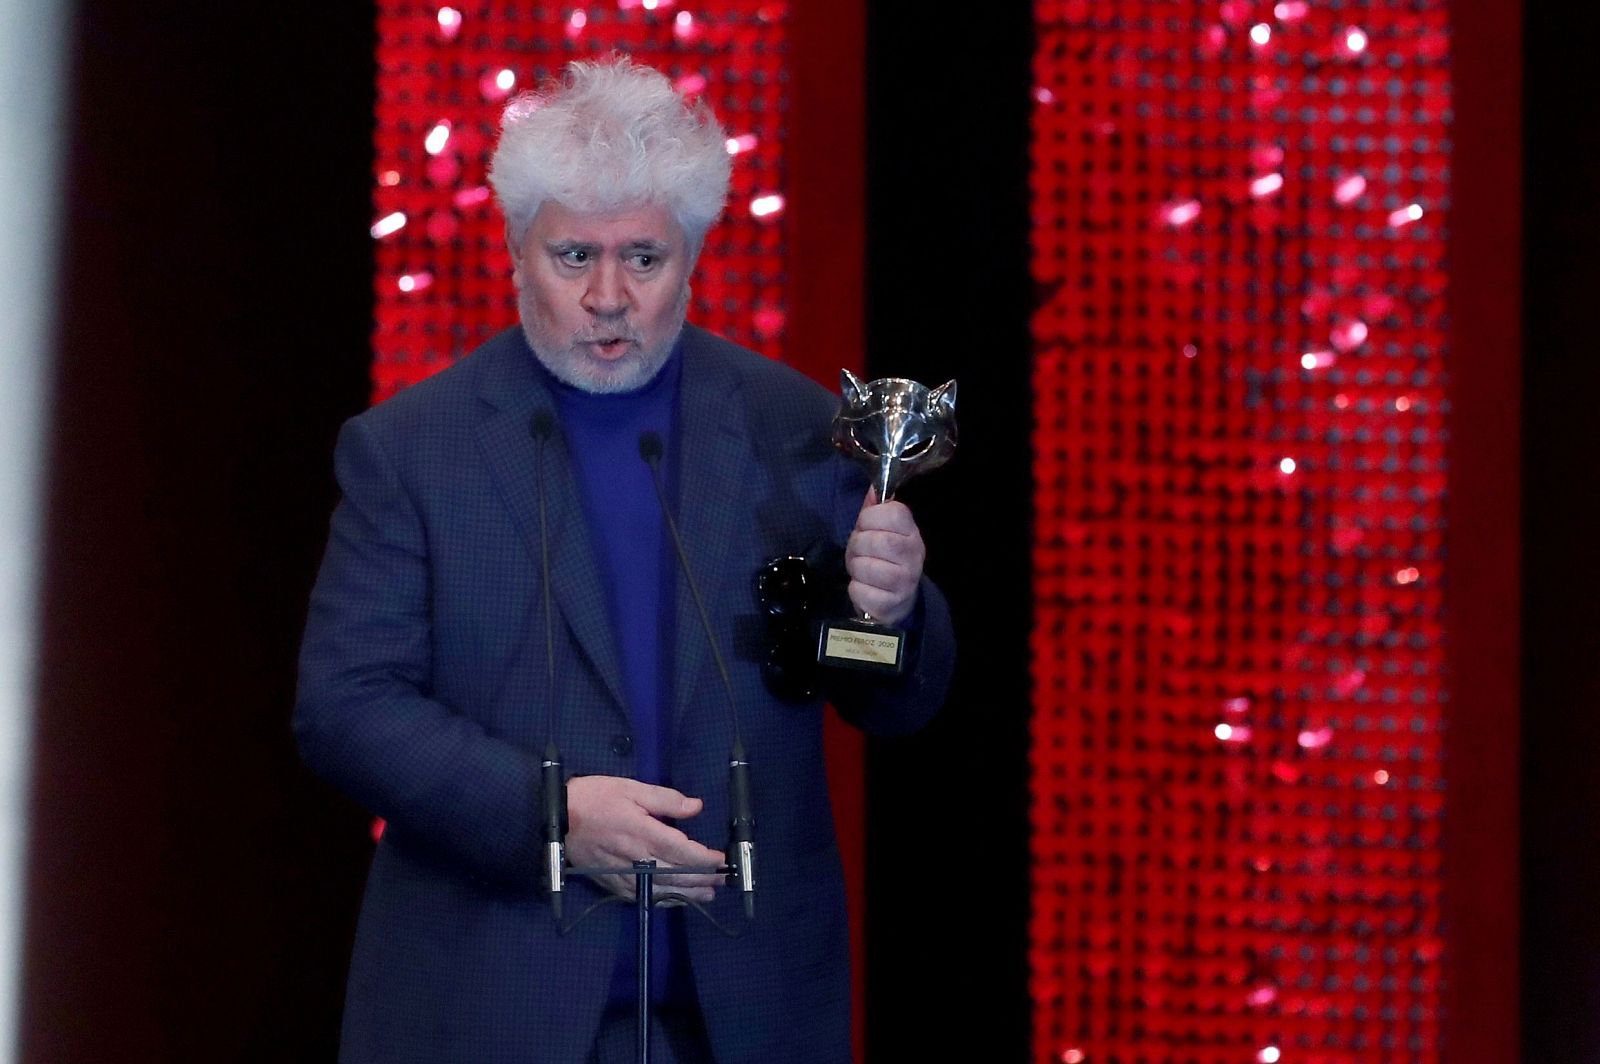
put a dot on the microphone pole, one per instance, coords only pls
(741, 821)
(553, 788)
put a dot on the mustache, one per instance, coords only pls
(621, 331)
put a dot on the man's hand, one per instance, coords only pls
(884, 559)
(617, 821)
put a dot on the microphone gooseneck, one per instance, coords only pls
(741, 821)
(552, 786)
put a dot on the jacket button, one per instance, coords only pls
(622, 745)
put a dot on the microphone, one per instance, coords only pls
(741, 827)
(741, 822)
(555, 824)
(553, 788)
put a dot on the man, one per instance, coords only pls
(424, 677)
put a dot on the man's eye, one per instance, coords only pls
(574, 257)
(643, 261)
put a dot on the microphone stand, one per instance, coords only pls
(643, 872)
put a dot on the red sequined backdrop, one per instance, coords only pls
(1237, 781)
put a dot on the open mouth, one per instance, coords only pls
(610, 346)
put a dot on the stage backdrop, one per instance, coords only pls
(1239, 235)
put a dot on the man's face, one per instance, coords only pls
(602, 294)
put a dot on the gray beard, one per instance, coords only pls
(572, 365)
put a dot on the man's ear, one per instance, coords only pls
(514, 247)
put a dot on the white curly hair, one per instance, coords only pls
(611, 134)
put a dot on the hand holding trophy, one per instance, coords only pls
(899, 428)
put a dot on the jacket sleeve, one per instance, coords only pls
(897, 705)
(364, 717)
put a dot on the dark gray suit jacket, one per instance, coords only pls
(422, 695)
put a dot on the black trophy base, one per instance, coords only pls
(864, 645)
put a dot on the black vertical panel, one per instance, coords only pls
(191, 890)
(949, 295)
(1561, 577)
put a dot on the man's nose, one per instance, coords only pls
(607, 293)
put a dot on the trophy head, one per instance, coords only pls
(898, 426)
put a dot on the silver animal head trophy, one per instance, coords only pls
(899, 427)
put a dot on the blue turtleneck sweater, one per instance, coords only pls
(638, 569)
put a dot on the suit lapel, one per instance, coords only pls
(714, 453)
(514, 388)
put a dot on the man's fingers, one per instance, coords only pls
(699, 894)
(664, 843)
(664, 801)
(680, 853)
(684, 852)
(617, 821)
(672, 849)
(881, 575)
(697, 879)
(625, 887)
(619, 885)
(700, 887)
(881, 605)
(892, 516)
(875, 601)
(889, 545)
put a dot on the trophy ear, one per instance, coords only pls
(853, 388)
(944, 397)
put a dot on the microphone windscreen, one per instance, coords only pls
(542, 425)
(650, 448)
